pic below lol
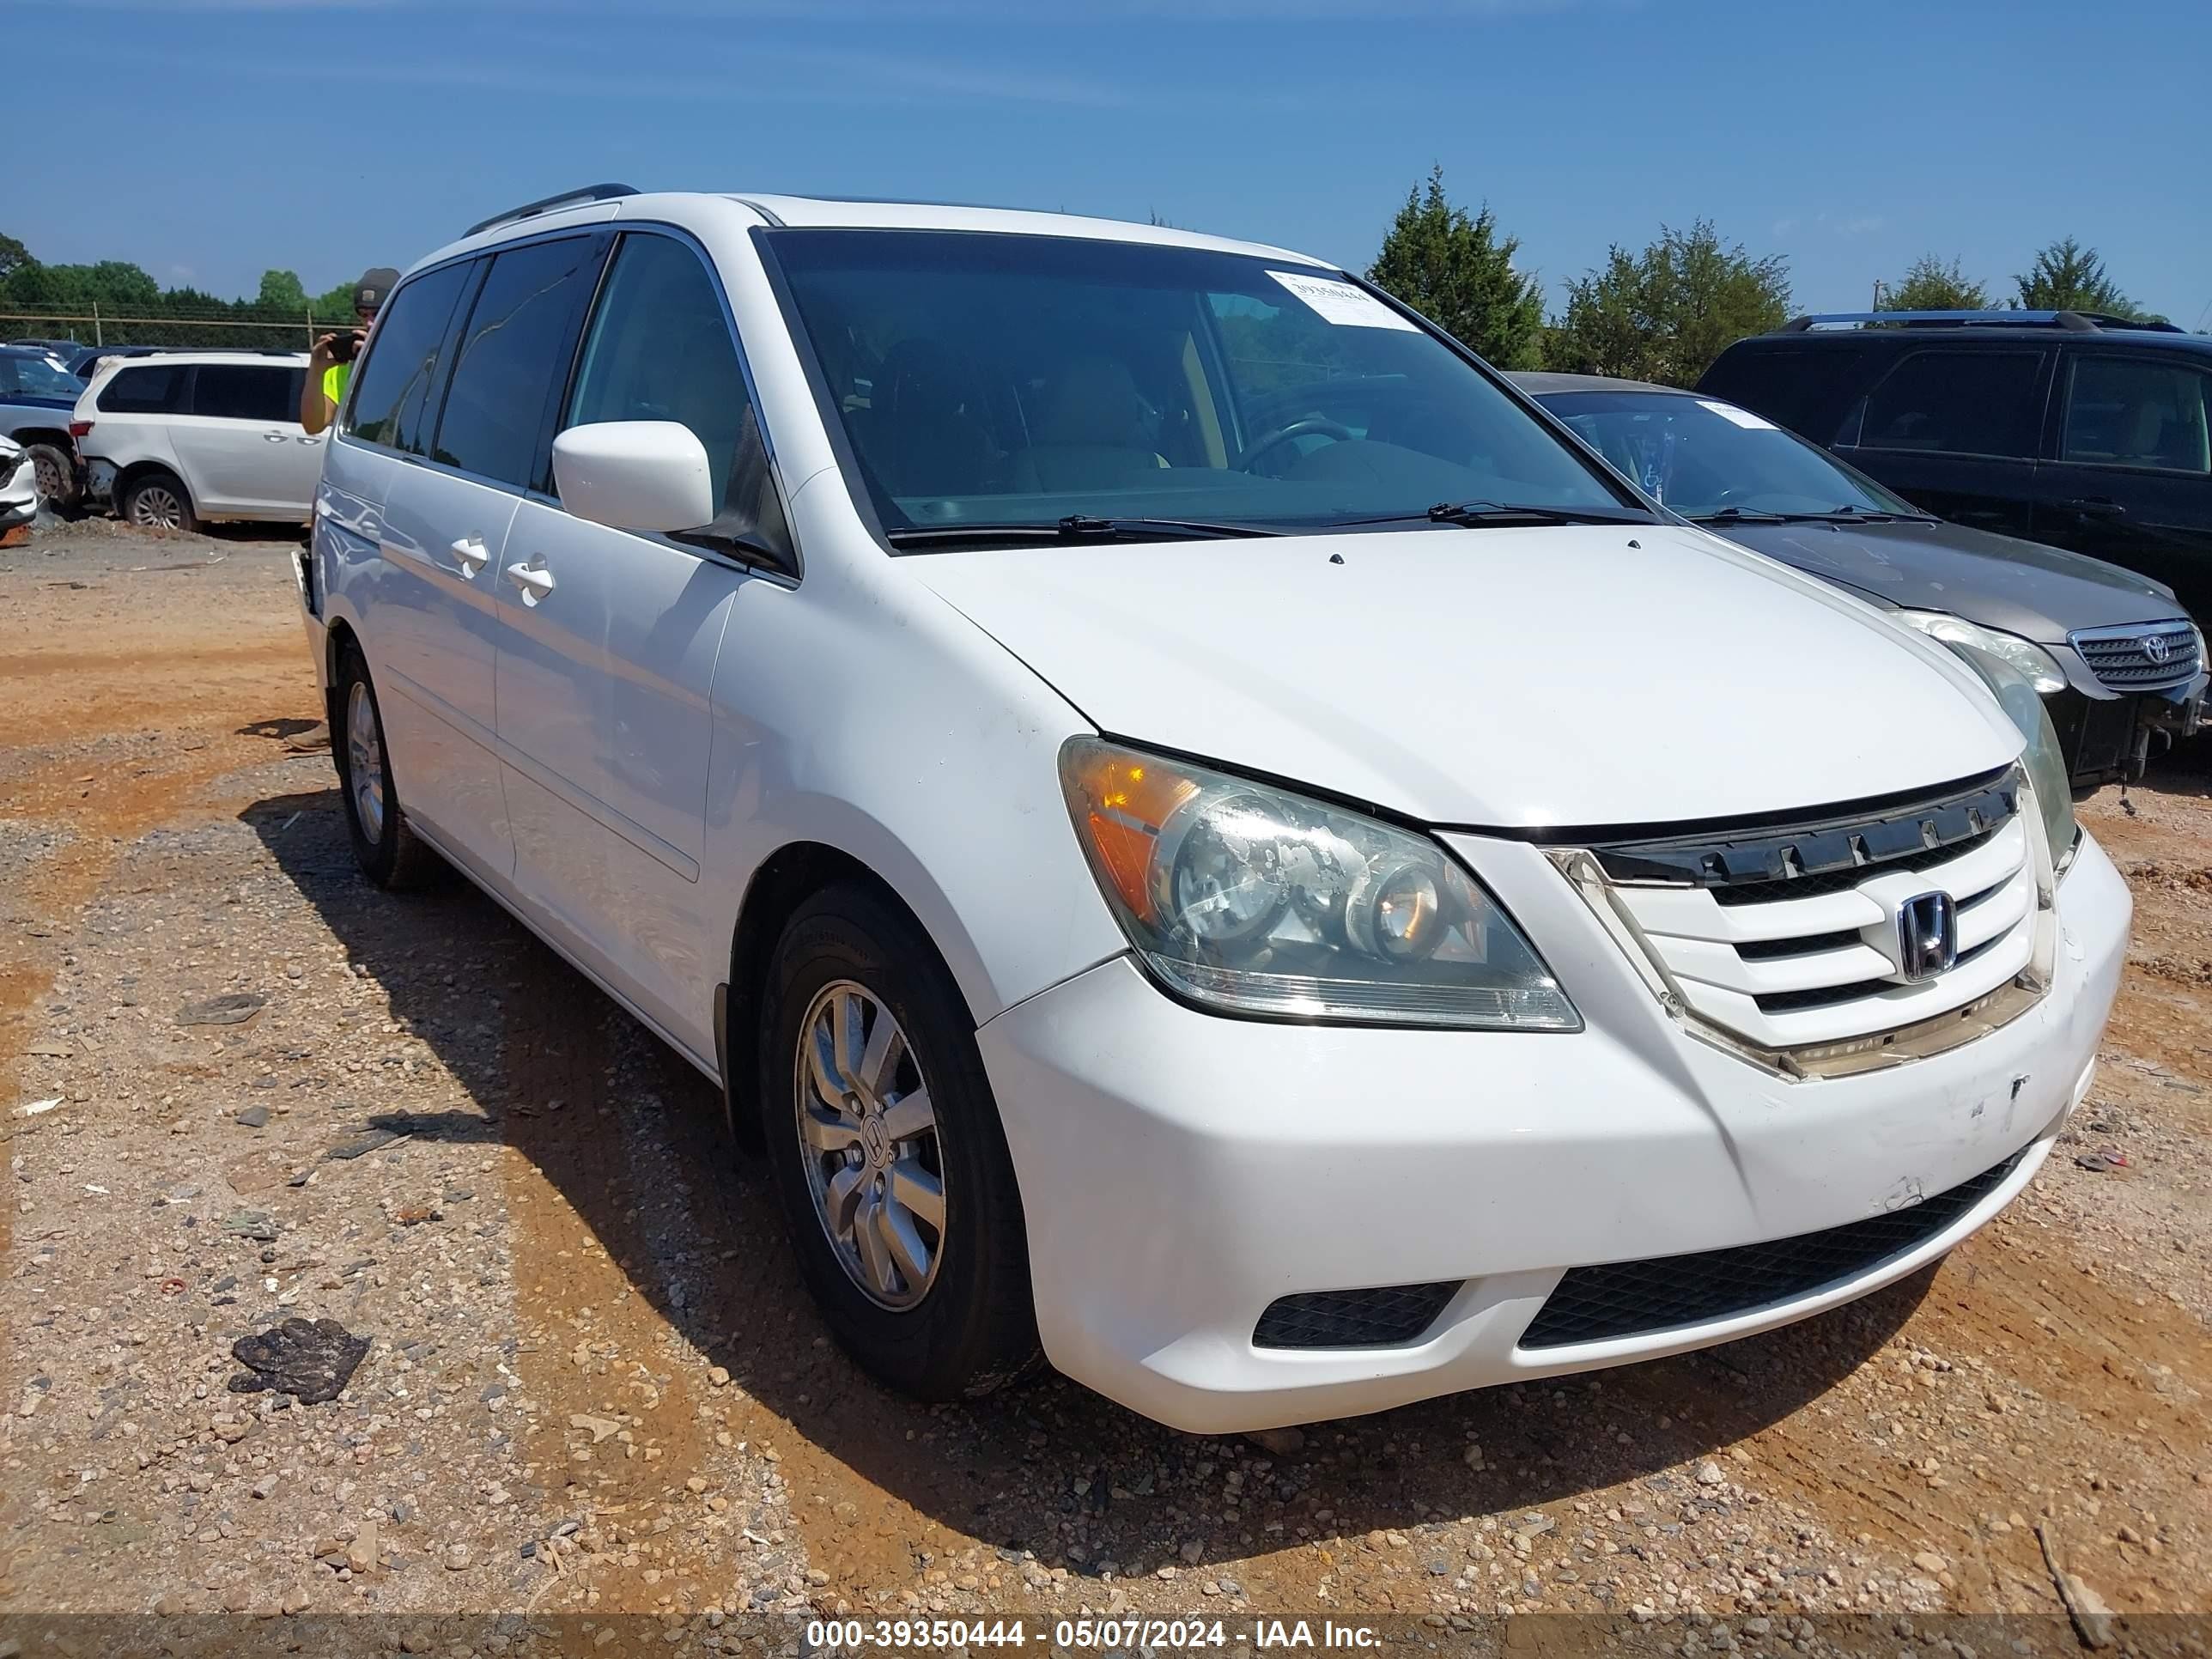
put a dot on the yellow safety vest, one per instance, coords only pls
(334, 382)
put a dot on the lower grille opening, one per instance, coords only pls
(1386, 1317)
(1637, 1298)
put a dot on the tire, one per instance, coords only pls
(157, 500)
(966, 1325)
(56, 471)
(385, 846)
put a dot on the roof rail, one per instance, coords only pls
(576, 198)
(2076, 321)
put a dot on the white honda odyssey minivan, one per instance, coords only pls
(1198, 831)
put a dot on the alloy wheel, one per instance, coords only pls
(868, 1137)
(157, 508)
(365, 761)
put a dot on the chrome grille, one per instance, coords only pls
(1788, 937)
(2141, 657)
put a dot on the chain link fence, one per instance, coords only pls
(234, 328)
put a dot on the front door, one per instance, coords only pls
(607, 657)
(1955, 431)
(2132, 483)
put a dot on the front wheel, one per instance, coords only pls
(891, 1168)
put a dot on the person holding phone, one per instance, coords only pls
(330, 365)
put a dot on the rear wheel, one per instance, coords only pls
(56, 474)
(157, 501)
(893, 1173)
(389, 852)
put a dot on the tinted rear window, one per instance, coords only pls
(1957, 403)
(395, 378)
(514, 355)
(156, 389)
(244, 392)
(1804, 386)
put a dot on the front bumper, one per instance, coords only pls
(1181, 1172)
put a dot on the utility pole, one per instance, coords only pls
(1877, 294)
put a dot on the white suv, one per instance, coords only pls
(188, 436)
(1196, 826)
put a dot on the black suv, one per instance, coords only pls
(2087, 432)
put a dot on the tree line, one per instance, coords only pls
(42, 301)
(1659, 313)
(1663, 312)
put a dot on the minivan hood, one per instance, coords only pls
(1490, 677)
(2042, 593)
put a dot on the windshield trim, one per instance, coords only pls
(854, 471)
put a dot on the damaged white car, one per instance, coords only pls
(19, 486)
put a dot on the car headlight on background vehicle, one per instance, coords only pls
(2029, 659)
(2048, 773)
(1254, 900)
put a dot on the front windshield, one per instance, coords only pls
(1702, 457)
(40, 377)
(1016, 380)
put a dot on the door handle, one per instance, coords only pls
(276, 437)
(536, 582)
(2096, 507)
(472, 556)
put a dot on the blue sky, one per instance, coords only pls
(207, 139)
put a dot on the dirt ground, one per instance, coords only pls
(593, 1382)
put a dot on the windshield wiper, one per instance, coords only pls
(1839, 515)
(1738, 515)
(1851, 514)
(1075, 527)
(1471, 514)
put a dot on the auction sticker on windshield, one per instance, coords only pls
(1341, 303)
(1742, 417)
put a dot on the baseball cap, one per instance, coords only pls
(374, 288)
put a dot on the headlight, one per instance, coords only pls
(2029, 659)
(2047, 772)
(1256, 900)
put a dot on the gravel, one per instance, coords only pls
(591, 1382)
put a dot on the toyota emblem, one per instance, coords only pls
(2157, 646)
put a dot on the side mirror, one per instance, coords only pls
(635, 475)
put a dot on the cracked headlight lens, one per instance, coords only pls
(1256, 900)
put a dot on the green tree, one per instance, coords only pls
(13, 256)
(1931, 285)
(281, 291)
(2068, 277)
(1665, 313)
(1458, 272)
(336, 303)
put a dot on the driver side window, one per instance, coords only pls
(660, 350)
